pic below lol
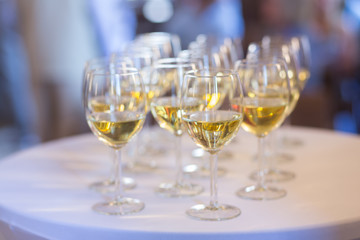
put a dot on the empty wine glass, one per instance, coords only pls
(115, 105)
(267, 95)
(212, 128)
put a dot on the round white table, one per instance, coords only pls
(44, 193)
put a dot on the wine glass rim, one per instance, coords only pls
(264, 61)
(108, 60)
(174, 62)
(136, 52)
(119, 71)
(210, 73)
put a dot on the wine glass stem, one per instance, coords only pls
(261, 162)
(113, 169)
(213, 180)
(273, 147)
(118, 169)
(179, 173)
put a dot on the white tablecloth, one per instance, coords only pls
(44, 193)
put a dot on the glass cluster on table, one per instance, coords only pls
(209, 91)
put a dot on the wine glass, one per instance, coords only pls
(279, 49)
(212, 128)
(115, 106)
(300, 51)
(143, 59)
(168, 44)
(166, 110)
(108, 64)
(211, 56)
(301, 48)
(267, 96)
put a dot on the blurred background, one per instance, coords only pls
(45, 44)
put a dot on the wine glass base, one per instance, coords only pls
(212, 213)
(274, 175)
(140, 167)
(202, 171)
(121, 206)
(289, 142)
(109, 185)
(174, 190)
(282, 158)
(256, 192)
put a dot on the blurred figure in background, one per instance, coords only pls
(115, 23)
(219, 18)
(334, 50)
(59, 38)
(18, 110)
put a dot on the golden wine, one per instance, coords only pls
(214, 100)
(167, 112)
(115, 129)
(103, 104)
(277, 92)
(212, 129)
(262, 115)
(304, 75)
(294, 97)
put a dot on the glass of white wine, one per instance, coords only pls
(281, 49)
(115, 121)
(143, 59)
(108, 64)
(210, 57)
(301, 47)
(267, 95)
(212, 128)
(169, 73)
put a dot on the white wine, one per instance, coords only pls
(211, 130)
(277, 92)
(167, 112)
(294, 97)
(262, 115)
(115, 129)
(304, 75)
(214, 100)
(103, 104)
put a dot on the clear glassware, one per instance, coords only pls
(212, 128)
(213, 53)
(169, 74)
(115, 104)
(278, 48)
(109, 64)
(143, 59)
(301, 47)
(301, 54)
(168, 44)
(267, 96)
